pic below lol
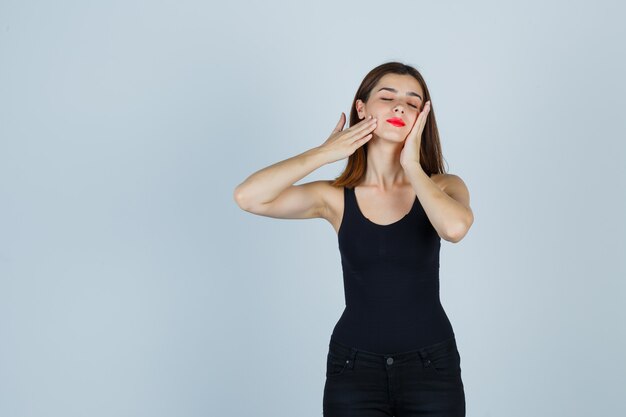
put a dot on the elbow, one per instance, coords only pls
(458, 231)
(239, 198)
(453, 237)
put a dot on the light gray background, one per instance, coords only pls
(131, 284)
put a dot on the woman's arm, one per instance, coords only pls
(257, 193)
(270, 191)
(448, 208)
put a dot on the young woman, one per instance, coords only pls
(393, 351)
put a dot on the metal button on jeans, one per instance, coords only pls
(389, 361)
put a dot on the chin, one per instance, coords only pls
(397, 137)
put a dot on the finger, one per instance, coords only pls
(415, 125)
(421, 119)
(361, 141)
(364, 121)
(362, 126)
(420, 127)
(425, 115)
(356, 138)
(340, 123)
(357, 126)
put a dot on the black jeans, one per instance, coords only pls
(422, 382)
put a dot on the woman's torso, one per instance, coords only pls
(390, 260)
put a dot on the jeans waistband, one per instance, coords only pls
(423, 353)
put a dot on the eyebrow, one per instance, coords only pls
(410, 93)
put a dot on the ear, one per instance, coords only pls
(360, 108)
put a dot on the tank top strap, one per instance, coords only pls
(349, 202)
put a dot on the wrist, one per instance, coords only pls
(317, 155)
(411, 165)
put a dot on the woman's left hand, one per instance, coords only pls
(410, 154)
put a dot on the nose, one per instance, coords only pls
(399, 108)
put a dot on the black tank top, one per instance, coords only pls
(391, 282)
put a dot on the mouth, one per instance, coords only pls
(396, 121)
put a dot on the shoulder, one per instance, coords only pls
(331, 195)
(325, 188)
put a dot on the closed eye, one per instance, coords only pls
(390, 99)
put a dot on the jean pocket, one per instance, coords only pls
(335, 364)
(445, 362)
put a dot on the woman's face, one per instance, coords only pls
(396, 97)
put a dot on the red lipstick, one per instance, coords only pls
(396, 121)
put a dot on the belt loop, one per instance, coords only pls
(425, 359)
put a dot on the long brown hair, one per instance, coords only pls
(431, 157)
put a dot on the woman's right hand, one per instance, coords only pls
(343, 143)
